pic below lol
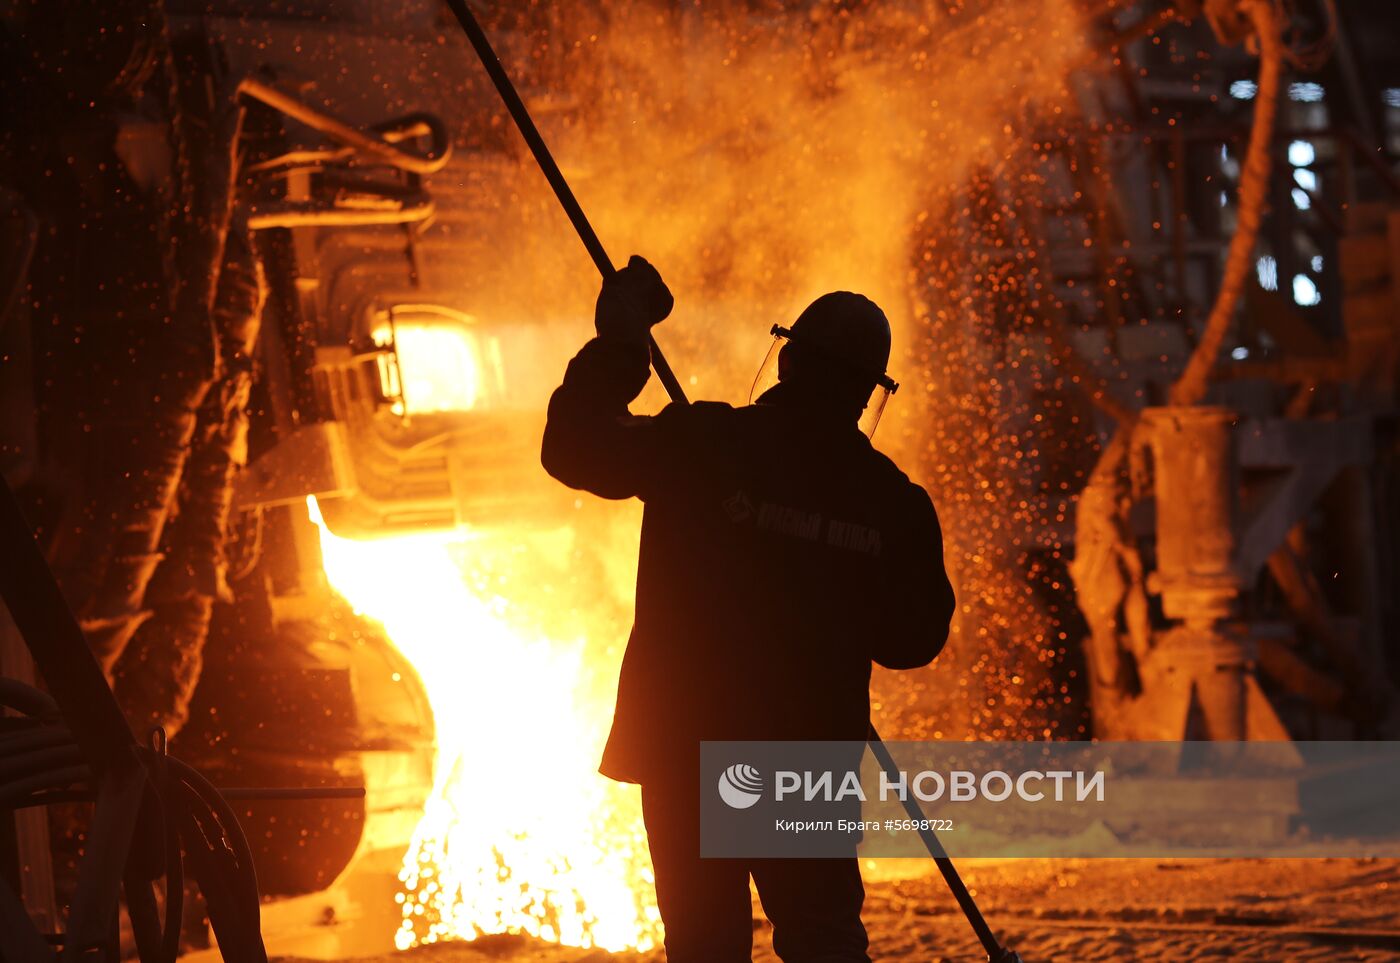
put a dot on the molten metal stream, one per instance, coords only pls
(520, 834)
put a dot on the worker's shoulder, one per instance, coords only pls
(699, 412)
(889, 474)
(714, 409)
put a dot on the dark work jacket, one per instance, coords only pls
(780, 555)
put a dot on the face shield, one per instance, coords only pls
(768, 377)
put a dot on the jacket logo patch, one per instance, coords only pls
(786, 520)
(853, 537)
(799, 523)
(738, 507)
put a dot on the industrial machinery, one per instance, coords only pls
(255, 253)
(340, 299)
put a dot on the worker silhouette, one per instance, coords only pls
(781, 555)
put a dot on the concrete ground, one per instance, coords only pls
(1084, 910)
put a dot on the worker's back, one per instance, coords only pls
(780, 555)
(761, 582)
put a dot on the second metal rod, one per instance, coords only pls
(545, 159)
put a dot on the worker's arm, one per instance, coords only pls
(591, 441)
(917, 604)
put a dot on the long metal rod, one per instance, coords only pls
(527, 128)
(551, 171)
(988, 939)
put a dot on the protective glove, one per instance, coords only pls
(631, 301)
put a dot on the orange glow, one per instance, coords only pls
(757, 164)
(439, 362)
(520, 834)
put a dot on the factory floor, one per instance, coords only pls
(1082, 910)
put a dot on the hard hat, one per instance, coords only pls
(846, 328)
(851, 335)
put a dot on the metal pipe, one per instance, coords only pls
(38, 737)
(313, 214)
(391, 132)
(27, 700)
(58, 778)
(1194, 381)
(334, 127)
(21, 764)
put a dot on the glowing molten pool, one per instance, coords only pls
(520, 834)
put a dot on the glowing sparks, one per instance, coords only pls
(786, 164)
(520, 834)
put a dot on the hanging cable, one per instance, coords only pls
(1191, 387)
